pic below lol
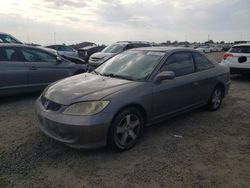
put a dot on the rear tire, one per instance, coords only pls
(126, 129)
(215, 99)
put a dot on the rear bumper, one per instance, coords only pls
(238, 68)
(235, 70)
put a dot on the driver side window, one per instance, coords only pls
(181, 63)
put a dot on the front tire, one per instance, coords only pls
(216, 99)
(126, 129)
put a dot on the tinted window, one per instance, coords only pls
(139, 45)
(180, 63)
(10, 54)
(240, 49)
(32, 55)
(65, 48)
(202, 63)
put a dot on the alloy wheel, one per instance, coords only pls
(217, 98)
(128, 130)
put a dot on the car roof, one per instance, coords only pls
(15, 45)
(162, 49)
(243, 44)
(27, 46)
(132, 42)
(88, 47)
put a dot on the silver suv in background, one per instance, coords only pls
(99, 58)
(238, 59)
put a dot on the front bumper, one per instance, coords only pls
(74, 131)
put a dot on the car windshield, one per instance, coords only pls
(241, 49)
(114, 48)
(7, 39)
(131, 65)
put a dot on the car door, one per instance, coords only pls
(207, 77)
(13, 70)
(175, 95)
(43, 67)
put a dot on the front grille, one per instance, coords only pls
(50, 105)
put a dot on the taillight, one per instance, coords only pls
(226, 55)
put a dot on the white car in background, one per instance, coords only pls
(218, 48)
(238, 59)
(205, 49)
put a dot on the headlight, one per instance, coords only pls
(104, 59)
(86, 108)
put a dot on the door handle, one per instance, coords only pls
(33, 68)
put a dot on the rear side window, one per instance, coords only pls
(181, 63)
(240, 49)
(201, 62)
(32, 55)
(10, 54)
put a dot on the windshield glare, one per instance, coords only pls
(114, 48)
(133, 65)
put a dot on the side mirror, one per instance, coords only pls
(164, 75)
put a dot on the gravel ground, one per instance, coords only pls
(212, 149)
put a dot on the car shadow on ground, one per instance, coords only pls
(21, 97)
(172, 127)
(243, 78)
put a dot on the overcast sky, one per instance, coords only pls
(107, 21)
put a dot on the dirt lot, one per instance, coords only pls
(214, 150)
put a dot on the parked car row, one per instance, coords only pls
(208, 49)
(135, 85)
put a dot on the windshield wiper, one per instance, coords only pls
(97, 73)
(118, 76)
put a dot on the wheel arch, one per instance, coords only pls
(139, 107)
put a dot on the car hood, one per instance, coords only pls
(84, 87)
(100, 55)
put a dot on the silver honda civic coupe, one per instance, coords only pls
(112, 105)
